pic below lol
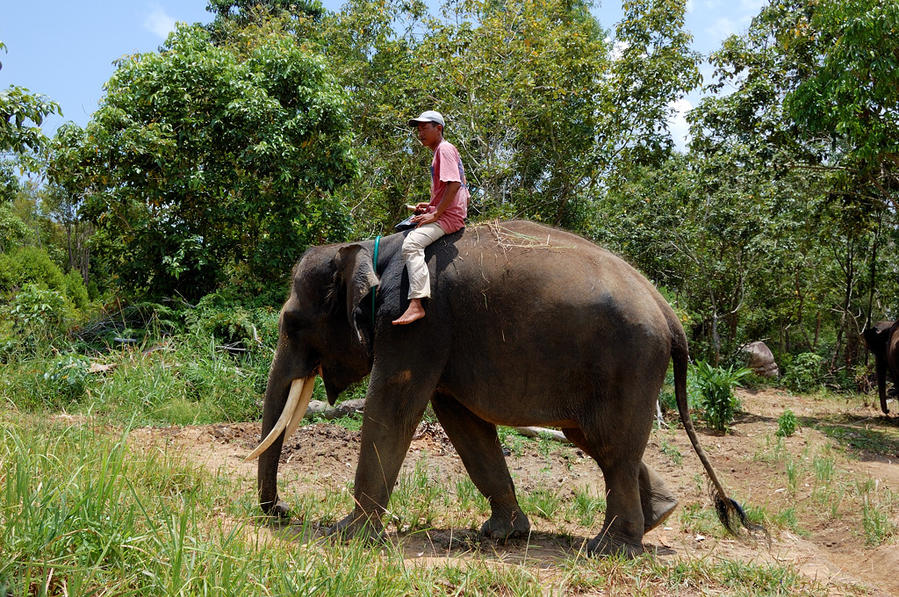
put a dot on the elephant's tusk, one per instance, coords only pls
(296, 388)
(302, 404)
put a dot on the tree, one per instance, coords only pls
(809, 79)
(531, 90)
(21, 115)
(852, 94)
(216, 160)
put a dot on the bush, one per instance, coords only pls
(75, 290)
(803, 373)
(787, 424)
(29, 264)
(65, 379)
(32, 267)
(225, 319)
(38, 314)
(716, 386)
(13, 230)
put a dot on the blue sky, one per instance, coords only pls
(65, 49)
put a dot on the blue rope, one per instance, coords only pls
(374, 293)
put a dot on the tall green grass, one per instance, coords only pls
(188, 380)
(82, 512)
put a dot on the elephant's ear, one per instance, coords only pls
(356, 273)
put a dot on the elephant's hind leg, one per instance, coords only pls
(478, 445)
(623, 528)
(656, 500)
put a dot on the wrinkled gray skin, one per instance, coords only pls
(529, 325)
(883, 341)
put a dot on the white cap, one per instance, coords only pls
(428, 116)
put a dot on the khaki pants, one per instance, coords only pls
(414, 255)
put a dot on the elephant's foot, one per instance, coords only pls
(277, 509)
(367, 528)
(609, 544)
(503, 526)
(657, 510)
(656, 501)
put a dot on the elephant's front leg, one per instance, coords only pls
(393, 409)
(478, 445)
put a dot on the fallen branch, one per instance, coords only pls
(553, 434)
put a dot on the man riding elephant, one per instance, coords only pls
(444, 214)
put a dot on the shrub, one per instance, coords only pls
(12, 229)
(223, 318)
(29, 264)
(716, 386)
(787, 424)
(37, 313)
(26, 266)
(75, 290)
(803, 373)
(65, 379)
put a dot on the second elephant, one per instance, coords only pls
(883, 340)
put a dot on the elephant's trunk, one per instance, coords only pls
(881, 367)
(286, 399)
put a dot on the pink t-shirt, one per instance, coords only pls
(447, 167)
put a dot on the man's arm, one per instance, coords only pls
(449, 194)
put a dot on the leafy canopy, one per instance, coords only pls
(208, 160)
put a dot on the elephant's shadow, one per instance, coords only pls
(547, 548)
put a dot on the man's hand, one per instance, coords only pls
(425, 218)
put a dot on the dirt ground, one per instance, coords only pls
(830, 549)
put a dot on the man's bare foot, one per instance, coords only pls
(413, 313)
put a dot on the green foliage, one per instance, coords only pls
(539, 106)
(852, 93)
(21, 115)
(787, 424)
(29, 265)
(208, 161)
(13, 230)
(65, 380)
(716, 384)
(38, 303)
(38, 314)
(803, 372)
(221, 316)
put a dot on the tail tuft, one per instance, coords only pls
(729, 512)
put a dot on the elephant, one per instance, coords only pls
(528, 325)
(883, 340)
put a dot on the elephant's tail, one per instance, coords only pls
(728, 509)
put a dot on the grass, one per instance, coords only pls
(83, 513)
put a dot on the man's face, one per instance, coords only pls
(429, 134)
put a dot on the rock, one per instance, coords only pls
(760, 359)
(347, 407)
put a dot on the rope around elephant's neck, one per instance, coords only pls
(374, 266)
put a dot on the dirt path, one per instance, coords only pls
(826, 543)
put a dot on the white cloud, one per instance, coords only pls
(722, 27)
(618, 48)
(689, 7)
(677, 123)
(159, 22)
(753, 6)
